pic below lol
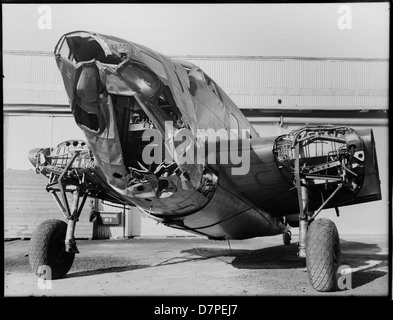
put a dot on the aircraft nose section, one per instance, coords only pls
(99, 60)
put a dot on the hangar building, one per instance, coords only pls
(277, 94)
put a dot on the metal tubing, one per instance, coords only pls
(304, 193)
(322, 138)
(62, 185)
(303, 222)
(303, 206)
(297, 179)
(70, 244)
(62, 188)
(82, 204)
(326, 202)
(303, 226)
(59, 204)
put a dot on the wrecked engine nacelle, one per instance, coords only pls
(322, 157)
(53, 160)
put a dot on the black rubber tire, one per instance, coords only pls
(323, 254)
(47, 249)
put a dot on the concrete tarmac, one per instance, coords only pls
(194, 266)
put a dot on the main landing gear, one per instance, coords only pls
(52, 245)
(326, 164)
(319, 242)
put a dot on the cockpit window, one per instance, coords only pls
(86, 119)
(234, 125)
(197, 74)
(65, 51)
(154, 64)
(86, 108)
(140, 78)
(200, 75)
(212, 85)
(81, 47)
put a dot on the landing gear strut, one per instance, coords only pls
(71, 215)
(303, 220)
(318, 241)
(70, 243)
(53, 242)
(327, 164)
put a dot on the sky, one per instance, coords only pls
(359, 30)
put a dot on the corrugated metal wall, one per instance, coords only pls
(32, 78)
(252, 82)
(301, 83)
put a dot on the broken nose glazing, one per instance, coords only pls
(115, 97)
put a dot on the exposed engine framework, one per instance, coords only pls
(323, 160)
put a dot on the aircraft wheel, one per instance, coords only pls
(323, 254)
(286, 237)
(47, 248)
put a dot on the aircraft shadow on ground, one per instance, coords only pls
(357, 255)
(129, 267)
(115, 269)
(353, 254)
(277, 257)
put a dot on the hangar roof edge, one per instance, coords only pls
(225, 57)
